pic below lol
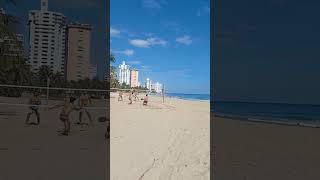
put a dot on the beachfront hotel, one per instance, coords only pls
(47, 39)
(124, 73)
(134, 82)
(79, 43)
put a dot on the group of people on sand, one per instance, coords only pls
(68, 106)
(133, 96)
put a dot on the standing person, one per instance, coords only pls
(145, 100)
(34, 100)
(84, 101)
(130, 98)
(120, 98)
(135, 95)
(68, 107)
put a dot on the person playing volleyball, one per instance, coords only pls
(34, 100)
(68, 107)
(84, 101)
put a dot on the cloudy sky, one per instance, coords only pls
(168, 41)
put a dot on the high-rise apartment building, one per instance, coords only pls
(79, 43)
(10, 45)
(124, 73)
(93, 71)
(134, 81)
(148, 84)
(47, 39)
(157, 87)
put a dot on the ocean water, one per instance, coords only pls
(304, 113)
(189, 96)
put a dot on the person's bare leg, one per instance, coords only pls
(80, 117)
(28, 118)
(68, 127)
(89, 116)
(38, 117)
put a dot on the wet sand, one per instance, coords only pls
(261, 151)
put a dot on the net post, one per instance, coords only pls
(163, 93)
(47, 100)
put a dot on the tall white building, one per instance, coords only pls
(157, 87)
(124, 73)
(148, 84)
(47, 33)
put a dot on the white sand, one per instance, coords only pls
(38, 153)
(160, 141)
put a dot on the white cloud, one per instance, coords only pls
(114, 32)
(127, 52)
(184, 40)
(139, 43)
(145, 43)
(153, 4)
(134, 62)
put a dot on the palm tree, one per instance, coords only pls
(113, 73)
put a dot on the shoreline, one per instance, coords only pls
(115, 94)
(283, 122)
(264, 151)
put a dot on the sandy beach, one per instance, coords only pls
(39, 153)
(262, 151)
(161, 141)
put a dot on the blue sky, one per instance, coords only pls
(168, 41)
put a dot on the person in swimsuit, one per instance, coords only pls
(145, 100)
(120, 98)
(68, 107)
(135, 95)
(84, 101)
(34, 100)
(130, 98)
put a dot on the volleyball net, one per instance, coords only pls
(19, 96)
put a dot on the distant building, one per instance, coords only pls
(47, 33)
(148, 84)
(93, 71)
(79, 47)
(124, 73)
(134, 81)
(157, 87)
(12, 46)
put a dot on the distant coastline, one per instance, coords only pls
(277, 113)
(185, 96)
